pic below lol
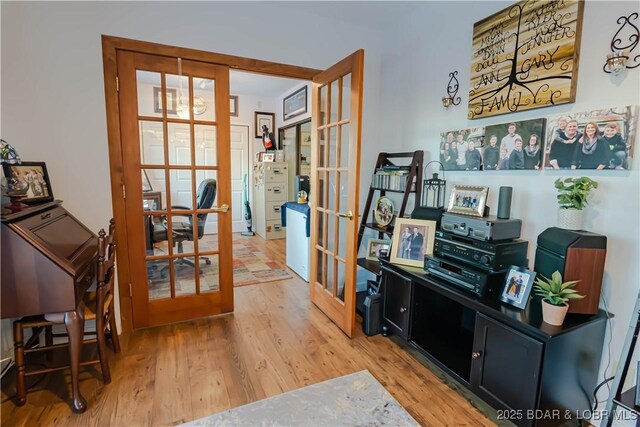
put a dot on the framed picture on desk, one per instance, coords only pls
(28, 180)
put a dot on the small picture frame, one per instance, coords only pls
(233, 105)
(468, 200)
(268, 157)
(32, 177)
(377, 248)
(412, 240)
(172, 100)
(264, 119)
(517, 286)
(295, 104)
(383, 212)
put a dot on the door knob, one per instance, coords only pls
(224, 208)
(348, 215)
(476, 354)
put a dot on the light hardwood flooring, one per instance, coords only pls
(275, 341)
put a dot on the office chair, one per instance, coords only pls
(183, 230)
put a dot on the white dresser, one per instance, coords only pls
(270, 190)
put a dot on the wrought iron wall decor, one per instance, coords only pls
(525, 57)
(621, 53)
(452, 91)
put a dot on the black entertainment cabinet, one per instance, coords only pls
(533, 373)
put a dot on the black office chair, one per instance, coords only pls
(183, 230)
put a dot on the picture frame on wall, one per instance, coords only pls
(503, 152)
(172, 100)
(295, 104)
(517, 286)
(412, 240)
(468, 200)
(31, 178)
(264, 119)
(233, 105)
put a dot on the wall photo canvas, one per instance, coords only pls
(597, 139)
(461, 149)
(514, 145)
(524, 57)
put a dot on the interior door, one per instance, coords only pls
(239, 168)
(174, 117)
(335, 173)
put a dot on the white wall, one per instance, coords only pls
(417, 60)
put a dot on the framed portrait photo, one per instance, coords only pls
(383, 212)
(517, 287)
(377, 248)
(31, 177)
(264, 119)
(468, 200)
(412, 240)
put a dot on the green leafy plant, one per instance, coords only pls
(573, 192)
(554, 291)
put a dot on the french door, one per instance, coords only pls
(335, 173)
(175, 131)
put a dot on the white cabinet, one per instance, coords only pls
(298, 241)
(271, 181)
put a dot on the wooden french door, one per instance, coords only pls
(335, 173)
(175, 133)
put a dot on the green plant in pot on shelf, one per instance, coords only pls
(572, 198)
(555, 297)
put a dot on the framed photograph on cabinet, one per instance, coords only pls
(468, 200)
(29, 179)
(268, 157)
(377, 248)
(295, 104)
(412, 240)
(517, 287)
(383, 212)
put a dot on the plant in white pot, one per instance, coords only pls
(572, 198)
(555, 297)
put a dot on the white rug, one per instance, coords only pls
(353, 400)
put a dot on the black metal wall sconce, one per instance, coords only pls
(621, 53)
(452, 90)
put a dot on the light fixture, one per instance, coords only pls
(620, 54)
(452, 90)
(183, 105)
(434, 189)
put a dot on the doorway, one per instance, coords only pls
(184, 171)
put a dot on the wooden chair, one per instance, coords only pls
(97, 305)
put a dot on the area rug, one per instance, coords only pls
(353, 400)
(250, 266)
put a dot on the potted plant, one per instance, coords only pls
(555, 297)
(572, 198)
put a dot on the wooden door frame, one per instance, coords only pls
(110, 47)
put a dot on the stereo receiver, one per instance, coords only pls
(478, 282)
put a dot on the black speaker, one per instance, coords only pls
(432, 214)
(300, 182)
(372, 315)
(504, 202)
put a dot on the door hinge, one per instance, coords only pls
(130, 290)
(124, 192)
(117, 84)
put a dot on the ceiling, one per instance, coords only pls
(260, 85)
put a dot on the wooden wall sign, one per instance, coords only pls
(525, 57)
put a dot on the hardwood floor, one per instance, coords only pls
(275, 341)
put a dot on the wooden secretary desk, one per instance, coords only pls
(48, 262)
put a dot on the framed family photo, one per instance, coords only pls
(412, 240)
(517, 287)
(377, 248)
(468, 200)
(32, 177)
